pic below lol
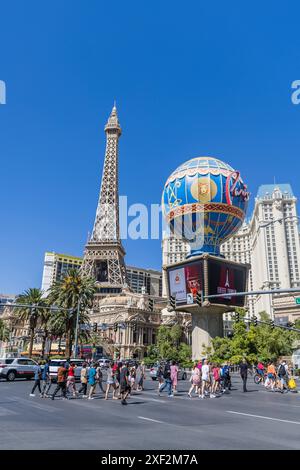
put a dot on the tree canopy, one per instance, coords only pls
(255, 343)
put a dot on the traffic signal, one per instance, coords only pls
(95, 327)
(254, 320)
(115, 327)
(173, 302)
(151, 305)
(236, 317)
(272, 323)
(199, 298)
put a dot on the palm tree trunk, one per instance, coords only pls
(45, 336)
(31, 342)
(68, 351)
(50, 345)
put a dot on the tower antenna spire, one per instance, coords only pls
(104, 253)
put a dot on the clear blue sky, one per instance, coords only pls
(190, 78)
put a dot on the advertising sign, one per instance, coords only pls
(185, 281)
(226, 278)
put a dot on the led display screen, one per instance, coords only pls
(226, 278)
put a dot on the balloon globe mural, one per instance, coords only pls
(204, 202)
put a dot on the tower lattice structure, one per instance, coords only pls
(104, 253)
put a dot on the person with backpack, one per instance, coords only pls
(99, 377)
(282, 376)
(83, 380)
(167, 381)
(225, 377)
(125, 388)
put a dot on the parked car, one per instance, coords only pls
(103, 362)
(56, 363)
(182, 375)
(12, 368)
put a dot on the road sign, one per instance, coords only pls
(297, 300)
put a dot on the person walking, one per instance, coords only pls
(71, 379)
(174, 376)
(37, 379)
(160, 375)
(195, 380)
(61, 381)
(110, 383)
(225, 377)
(124, 383)
(92, 381)
(282, 376)
(216, 387)
(244, 374)
(140, 376)
(271, 375)
(46, 379)
(205, 388)
(167, 381)
(83, 380)
(99, 377)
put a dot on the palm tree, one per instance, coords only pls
(4, 331)
(32, 311)
(73, 289)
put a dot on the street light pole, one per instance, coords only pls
(76, 329)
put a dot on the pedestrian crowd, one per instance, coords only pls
(121, 380)
(208, 379)
(277, 377)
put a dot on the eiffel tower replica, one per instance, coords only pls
(104, 253)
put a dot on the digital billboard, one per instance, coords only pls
(185, 281)
(226, 278)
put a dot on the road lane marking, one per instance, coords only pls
(153, 420)
(263, 417)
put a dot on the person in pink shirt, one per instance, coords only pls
(174, 376)
(217, 378)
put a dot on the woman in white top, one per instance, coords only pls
(205, 380)
(110, 382)
(195, 379)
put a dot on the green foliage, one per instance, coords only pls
(34, 316)
(168, 346)
(67, 293)
(4, 331)
(261, 343)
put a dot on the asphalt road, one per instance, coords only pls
(255, 420)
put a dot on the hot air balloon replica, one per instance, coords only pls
(204, 203)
